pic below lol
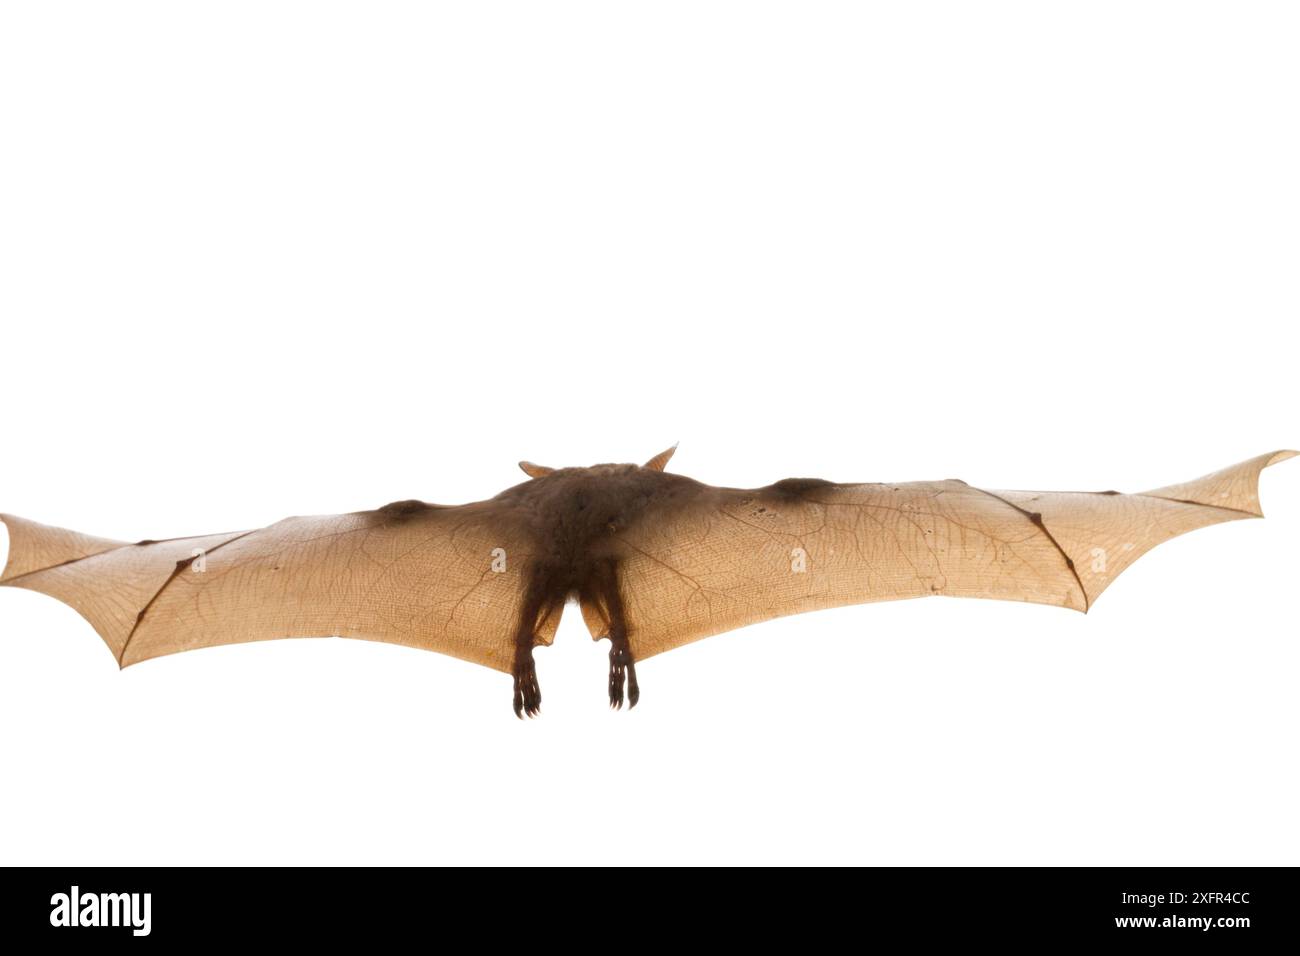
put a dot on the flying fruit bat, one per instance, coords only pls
(655, 560)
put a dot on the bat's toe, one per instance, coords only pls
(622, 672)
(528, 695)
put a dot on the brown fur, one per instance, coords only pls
(574, 517)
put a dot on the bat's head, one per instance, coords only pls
(657, 463)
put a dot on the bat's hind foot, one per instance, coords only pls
(621, 669)
(528, 696)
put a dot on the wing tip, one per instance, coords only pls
(35, 547)
(8, 568)
(1266, 460)
(8, 547)
(1235, 488)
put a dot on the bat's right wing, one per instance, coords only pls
(448, 579)
(716, 559)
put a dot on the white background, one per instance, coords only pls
(262, 259)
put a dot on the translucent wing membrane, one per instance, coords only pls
(443, 579)
(732, 557)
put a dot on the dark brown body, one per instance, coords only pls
(573, 517)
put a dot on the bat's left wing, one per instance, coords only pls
(713, 559)
(447, 579)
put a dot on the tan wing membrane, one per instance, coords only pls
(34, 546)
(442, 579)
(730, 558)
(1105, 533)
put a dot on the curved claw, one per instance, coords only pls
(528, 695)
(621, 668)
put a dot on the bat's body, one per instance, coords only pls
(655, 560)
(574, 518)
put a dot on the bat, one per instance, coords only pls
(654, 560)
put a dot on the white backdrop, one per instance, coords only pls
(262, 259)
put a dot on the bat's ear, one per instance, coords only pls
(535, 471)
(660, 461)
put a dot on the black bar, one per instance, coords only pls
(1231, 907)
